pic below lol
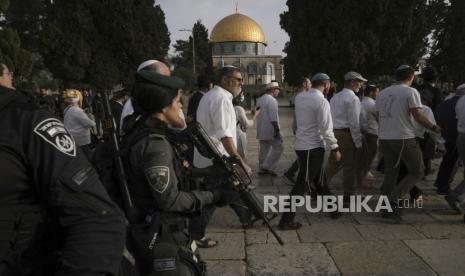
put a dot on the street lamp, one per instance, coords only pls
(193, 47)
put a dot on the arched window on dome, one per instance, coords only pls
(252, 68)
(244, 48)
(269, 69)
(222, 49)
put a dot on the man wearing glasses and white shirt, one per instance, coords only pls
(217, 116)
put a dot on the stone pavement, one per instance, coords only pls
(429, 241)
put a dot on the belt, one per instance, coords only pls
(342, 129)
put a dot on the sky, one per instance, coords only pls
(182, 14)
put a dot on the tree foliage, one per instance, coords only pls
(203, 55)
(11, 52)
(369, 36)
(448, 53)
(101, 43)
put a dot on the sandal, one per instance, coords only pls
(206, 243)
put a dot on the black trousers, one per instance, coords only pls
(198, 224)
(448, 168)
(294, 168)
(310, 164)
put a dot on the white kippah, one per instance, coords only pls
(146, 63)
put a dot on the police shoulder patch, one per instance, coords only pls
(158, 177)
(54, 132)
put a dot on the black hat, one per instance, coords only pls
(160, 80)
(429, 73)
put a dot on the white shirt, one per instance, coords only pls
(217, 116)
(394, 104)
(345, 112)
(460, 110)
(128, 109)
(242, 121)
(368, 116)
(419, 129)
(268, 113)
(314, 123)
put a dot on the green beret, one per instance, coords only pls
(161, 80)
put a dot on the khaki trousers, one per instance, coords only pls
(350, 162)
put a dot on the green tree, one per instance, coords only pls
(11, 52)
(369, 36)
(448, 53)
(203, 55)
(101, 43)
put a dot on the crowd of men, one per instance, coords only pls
(55, 194)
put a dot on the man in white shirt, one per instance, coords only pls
(314, 134)
(268, 130)
(345, 113)
(217, 116)
(304, 85)
(369, 125)
(456, 197)
(399, 106)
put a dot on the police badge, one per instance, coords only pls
(158, 177)
(53, 132)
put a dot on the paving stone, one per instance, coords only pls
(226, 268)
(416, 216)
(328, 233)
(442, 230)
(264, 236)
(444, 256)
(290, 259)
(448, 215)
(371, 218)
(389, 232)
(377, 258)
(324, 218)
(230, 247)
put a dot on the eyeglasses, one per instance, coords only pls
(8, 73)
(236, 78)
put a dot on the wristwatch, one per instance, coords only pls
(434, 128)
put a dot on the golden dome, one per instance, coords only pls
(237, 27)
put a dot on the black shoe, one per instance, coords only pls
(442, 191)
(270, 172)
(453, 203)
(293, 225)
(289, 177)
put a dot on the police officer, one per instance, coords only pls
(55, 216)
(156, 173)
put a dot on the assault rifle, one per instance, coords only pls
(235, 169)
(110, 133)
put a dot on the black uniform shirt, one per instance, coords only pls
(42, 166)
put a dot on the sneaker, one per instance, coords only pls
(289, 177)
(293, 225)
(453, 203)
